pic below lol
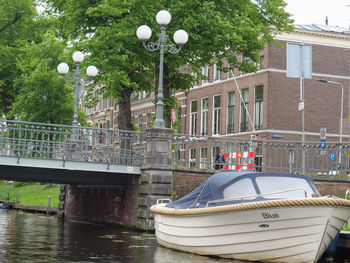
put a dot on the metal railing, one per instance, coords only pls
(49, 141)
(262, 155)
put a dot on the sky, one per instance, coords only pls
(315, 12)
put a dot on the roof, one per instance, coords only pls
(324, 28)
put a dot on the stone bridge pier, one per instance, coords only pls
(126, 204)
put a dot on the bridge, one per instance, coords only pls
(68, 155)
(128, 171)
(86, 155)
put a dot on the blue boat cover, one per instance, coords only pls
(213, 188)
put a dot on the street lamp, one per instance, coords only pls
(341, 111)
(91, 71)
(180, 37)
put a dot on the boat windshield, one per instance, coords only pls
(243, 187)
(277, 184)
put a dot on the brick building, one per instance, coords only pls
(215, 107)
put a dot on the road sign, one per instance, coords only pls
(323, 133)
(301, 106)
(299, 60)
(333, 156)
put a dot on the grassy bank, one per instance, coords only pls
(30, 193)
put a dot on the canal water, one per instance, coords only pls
(27, 238)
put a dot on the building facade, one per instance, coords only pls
(264, 103)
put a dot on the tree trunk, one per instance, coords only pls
(124, 123)
(124, 114)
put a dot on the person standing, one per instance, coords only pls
(220, 160)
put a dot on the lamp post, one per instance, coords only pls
(180, 37)
(341, 111)
(91, 71)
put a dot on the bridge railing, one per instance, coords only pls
(38, 140)
(261, 155)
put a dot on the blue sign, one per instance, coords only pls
(277, 136)
(323, 144)
(333, 156)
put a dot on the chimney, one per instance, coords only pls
(326, 20)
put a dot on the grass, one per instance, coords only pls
(31, 193)
(346, 227)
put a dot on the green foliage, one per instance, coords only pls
(220, 28)
(18, 26)
(346, 227)
(43, 95)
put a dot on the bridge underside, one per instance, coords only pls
(64, 172)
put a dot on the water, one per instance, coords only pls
(27, 238)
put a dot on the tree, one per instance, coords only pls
(43, 95)
(218, 29)
(17, 27)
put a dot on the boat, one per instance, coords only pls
(252, 216)
(344, 240)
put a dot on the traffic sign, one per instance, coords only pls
(301, 106)
(323, 144)
(333, 156)
(323, 133)
(299, 60)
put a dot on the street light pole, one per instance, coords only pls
(341, 112)
(180, 37)
(91, 71)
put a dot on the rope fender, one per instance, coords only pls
(253, 205)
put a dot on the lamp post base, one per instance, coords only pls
(159, 123)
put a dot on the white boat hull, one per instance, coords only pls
(280, 234)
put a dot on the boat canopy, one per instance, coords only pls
(236, 187)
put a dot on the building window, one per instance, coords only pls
(179, 119)
(231, 73)
(244, 108)
(195, 78)
(258, 111)
(149, 119)
(193, 124)
(216, 73)
(231, 112)
(140, 122)
(205, 73)
(203, 158)
(204, 114)
(244, 61)
(261, 62)
(216, 114)
(192, 157)
(214, 150)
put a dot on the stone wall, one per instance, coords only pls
(186, 180)
(331, 185)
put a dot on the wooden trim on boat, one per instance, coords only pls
(321, 201)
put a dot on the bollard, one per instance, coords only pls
(16, 199)
(8, 196)
(49, 201)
